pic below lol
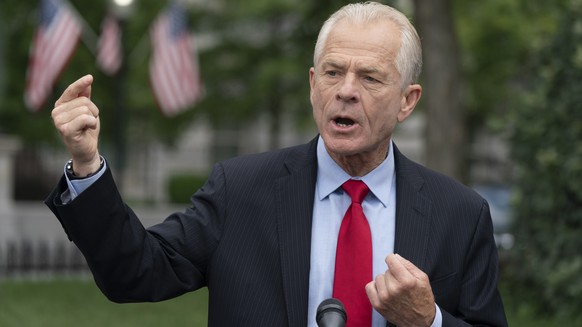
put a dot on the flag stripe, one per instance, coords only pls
(167, 67)
(109, 49)
(54, 42)
(174, 73)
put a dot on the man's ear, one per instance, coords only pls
(311, 81)
(311, 77)
(410, 98)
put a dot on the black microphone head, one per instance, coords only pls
(331, 313)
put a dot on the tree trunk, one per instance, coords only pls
(446, 143)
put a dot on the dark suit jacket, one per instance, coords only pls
(247, 238)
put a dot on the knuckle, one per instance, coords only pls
(378, 303)
(384, 296)
(423, 276)
(379, 279)
(67, 129)
(394, 288)
(408, 283)
(54, 115)
(398, 290)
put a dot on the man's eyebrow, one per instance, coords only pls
(341, 65)
(369, 70)
(333, 63)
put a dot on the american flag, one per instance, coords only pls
(54, 42)
(174, 72)
(109, 48)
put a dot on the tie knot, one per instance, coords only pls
(356, 189)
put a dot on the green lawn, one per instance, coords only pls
(81, 304)
(68, 303)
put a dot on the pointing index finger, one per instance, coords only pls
(81, 87)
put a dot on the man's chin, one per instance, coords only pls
(342, 147)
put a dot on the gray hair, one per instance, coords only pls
(409, 58)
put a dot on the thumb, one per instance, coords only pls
(86, 92)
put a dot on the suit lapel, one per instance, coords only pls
(294, 200)
(412, 212)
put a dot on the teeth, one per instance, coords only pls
(342, 122)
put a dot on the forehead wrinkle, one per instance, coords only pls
(363, 62)
(383, 49)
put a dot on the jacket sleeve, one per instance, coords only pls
(130, 263)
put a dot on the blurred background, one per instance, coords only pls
(501, 112)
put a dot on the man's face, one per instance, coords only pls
(355, 91)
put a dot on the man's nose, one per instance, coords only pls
(348, 89)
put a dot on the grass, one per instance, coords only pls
(68, 303)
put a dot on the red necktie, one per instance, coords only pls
(353, 261)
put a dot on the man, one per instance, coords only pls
(266, 232)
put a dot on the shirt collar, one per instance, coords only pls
(330, 176)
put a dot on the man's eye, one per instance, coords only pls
(370, 79)
(331, 73)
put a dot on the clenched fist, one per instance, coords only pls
(76, 118)
(403, 294)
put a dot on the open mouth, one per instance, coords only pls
(343, 122)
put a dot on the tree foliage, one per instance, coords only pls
(261, 60)
(523, 68)
(546, 139)
(498, 38)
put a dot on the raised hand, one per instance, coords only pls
(403, 294)
(76, 118)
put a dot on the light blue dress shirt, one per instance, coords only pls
(330, 205)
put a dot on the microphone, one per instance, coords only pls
(331, 313)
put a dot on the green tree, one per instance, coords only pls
(497, 38)
(261, 61)
(546, 139)
(521, 62)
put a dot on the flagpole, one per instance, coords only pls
(140, 52)
(122, 10)
(89, 37)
